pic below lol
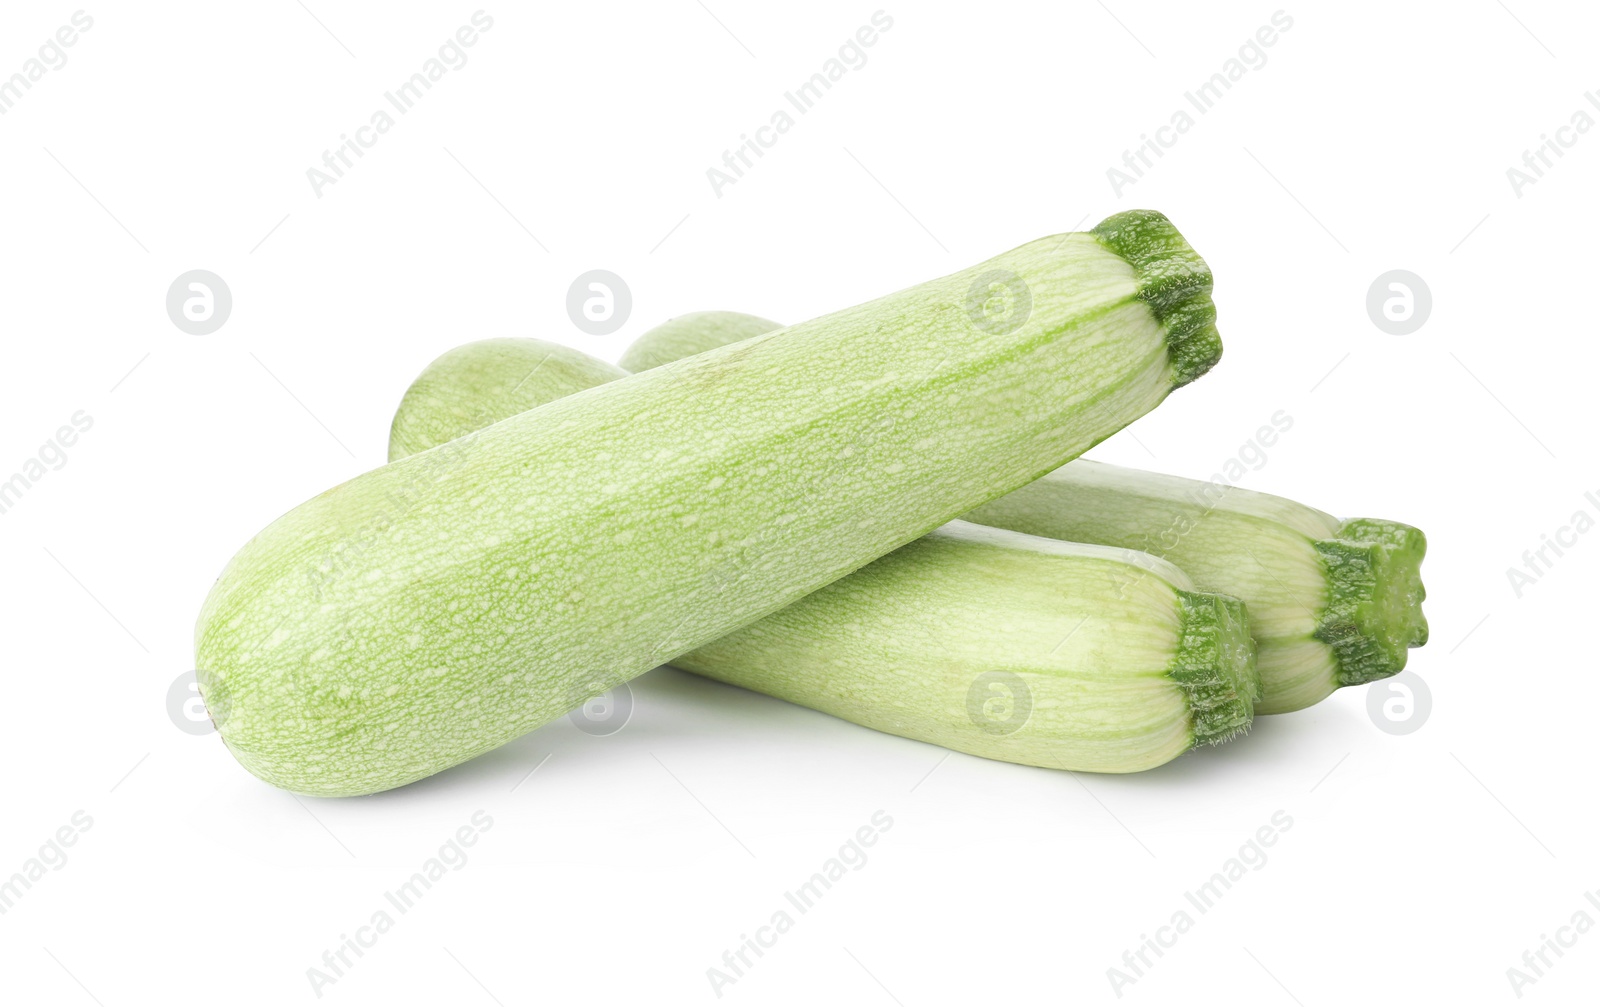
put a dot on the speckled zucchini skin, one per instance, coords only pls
(437, 607)
(982, 640)
(688, 334)
(1331, 604)
(1101, 660)
(513, 374)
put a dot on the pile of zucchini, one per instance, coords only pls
(875, 514)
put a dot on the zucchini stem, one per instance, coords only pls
(1174, 281)
(1373, 612)
(1216, 666)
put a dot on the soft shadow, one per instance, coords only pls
(1273, 740)
(672, 704)
(667, 703)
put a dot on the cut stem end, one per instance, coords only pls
(1216, 666)
(1174, 281)
(1374, 610)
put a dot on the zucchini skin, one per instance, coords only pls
(510, 372)
(435, 608)
(1089, 676)
(1332, 603)
(686, 335)
(1102, 659)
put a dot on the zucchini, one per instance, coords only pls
(982, 640)
(1012, 647)
(453, 395)
(686, 335)
(434, 608)
(1332, 603)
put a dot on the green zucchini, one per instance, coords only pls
(686, 335)
(458, 391)
(1332, 603)
(1010, 646)
(435, 608)
(982, 640)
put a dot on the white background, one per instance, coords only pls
(1376, 136)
